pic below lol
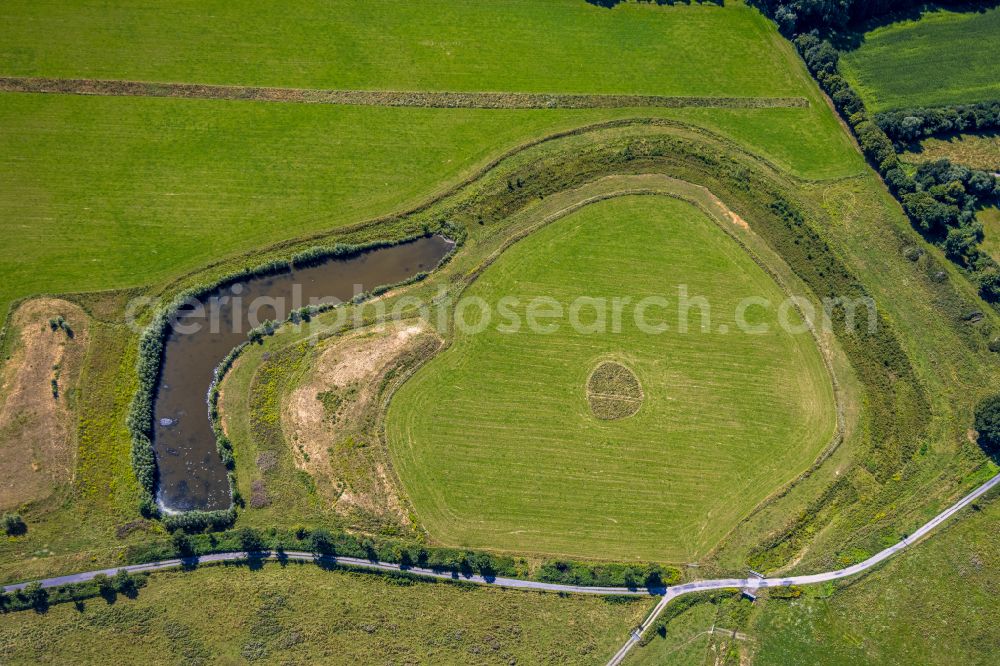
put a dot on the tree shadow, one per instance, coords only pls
(190, 562)
(917, 148)
(854, 35)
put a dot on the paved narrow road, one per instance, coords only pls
(668, 594)
(329, 560)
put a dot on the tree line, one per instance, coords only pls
(905, 126)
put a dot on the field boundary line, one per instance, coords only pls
(424, 99)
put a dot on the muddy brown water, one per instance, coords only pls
(191, 473)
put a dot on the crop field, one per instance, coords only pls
(979, 151)
(305, 614)
(726, 417)
(942, 58)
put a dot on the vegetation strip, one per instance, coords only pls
(439, 100)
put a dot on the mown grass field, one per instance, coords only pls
(101, 193)
(979, 151)
(942, 58)
(303, 614)
(524, 46)
(109, 193)
(935, 604)
(494, 440)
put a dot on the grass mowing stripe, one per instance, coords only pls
(436, 100)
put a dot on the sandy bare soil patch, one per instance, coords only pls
(38, 391)
(331, 419)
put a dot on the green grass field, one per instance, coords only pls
(990, 217)
(523, 46)
(973, 150)
(942, 58)
(302, 614)
(726, 419)
(99, 193)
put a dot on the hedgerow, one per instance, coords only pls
(905, 126)
(35, 597)
(332, 543)
(797, 16)
(612, 574)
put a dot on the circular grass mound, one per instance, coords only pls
(613, 391)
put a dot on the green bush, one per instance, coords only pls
(14, 525)
(904, 126)
(987, 424)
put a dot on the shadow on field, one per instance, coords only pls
(854, 35)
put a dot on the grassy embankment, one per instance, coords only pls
(901, 452)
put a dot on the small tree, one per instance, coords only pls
(105, 588)
(13, 524)
(36, 596)
(124, 583)
(321, 542)
(183, 545)
(250, 540)
(987, 424)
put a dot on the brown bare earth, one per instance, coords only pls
(37, 437)
(331, 418)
